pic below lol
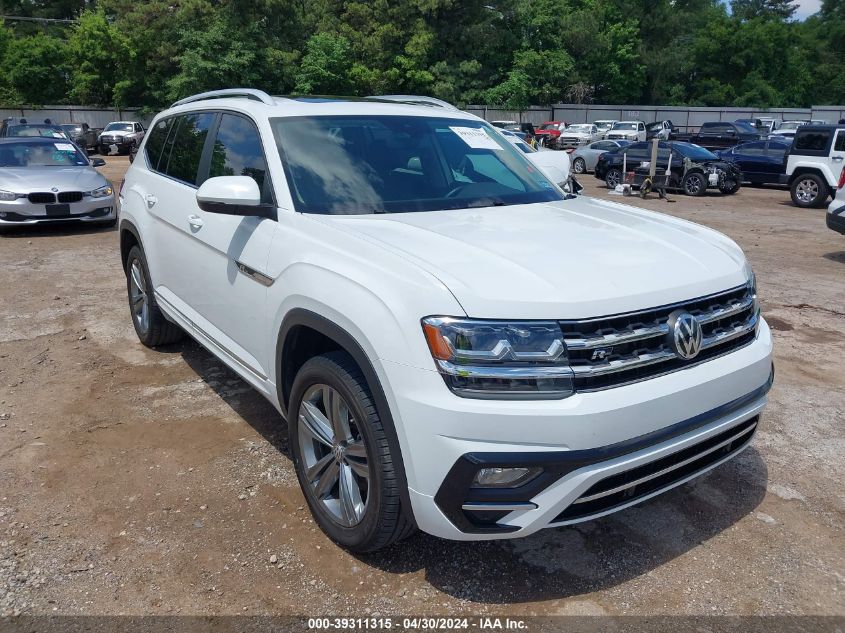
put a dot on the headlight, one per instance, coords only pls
(500, 359)
(102, 192)
(8, 196)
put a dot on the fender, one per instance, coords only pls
(817, 168)
(300, 316)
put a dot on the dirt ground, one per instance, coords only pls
(137, 481)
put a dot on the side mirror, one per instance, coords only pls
(233, 195)
(98, 162)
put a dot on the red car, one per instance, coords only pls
(548, 132)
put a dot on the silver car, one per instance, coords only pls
(50, 180)
(584, 159)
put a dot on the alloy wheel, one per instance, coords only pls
(138, 299)
(807, 191)
(694, 184)
(578, 166)
(334, 454)
(614, 177)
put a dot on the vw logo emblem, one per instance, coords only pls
(685, 335)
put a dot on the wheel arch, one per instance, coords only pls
(803, 170)
(129, 237)
(320, 335)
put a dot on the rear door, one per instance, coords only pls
(225, 276)
(751, 158)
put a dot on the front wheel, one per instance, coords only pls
(579, 166)
(695, 184)
(342, 457)
(729, 187)
(808, 191)
(613, 177)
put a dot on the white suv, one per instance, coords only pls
(456, 344)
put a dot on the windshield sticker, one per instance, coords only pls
(65, 147)
(475, 137)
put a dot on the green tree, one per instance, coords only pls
(99, 56)
(777, 9)
(36, 69)
(326, 66)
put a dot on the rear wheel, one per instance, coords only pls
(151, 326)
(342, 457)
(579, 166)
(613, 177)
(808, 191)
(729, 186)
(695, 184)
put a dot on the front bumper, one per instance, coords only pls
(835, 218)
(580, 442)
(22, 212)
(109, 147)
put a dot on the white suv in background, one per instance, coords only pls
(456, 344)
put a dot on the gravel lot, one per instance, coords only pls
(140, 481)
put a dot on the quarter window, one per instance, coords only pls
(812, 140)
(188, 143)
(840, 142)
(238, 152)
(156, 140)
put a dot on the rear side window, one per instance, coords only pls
(238, 152)
(812, 140)
(155, 142)
(751, 149)
(188, 143)
(840, 142)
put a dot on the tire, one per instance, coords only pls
(371, 515)
(579, 166)
(808, 191)
(151, 326)
(613, 177)
(694, 184)
(730, 187)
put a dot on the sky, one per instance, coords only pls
(806, 8)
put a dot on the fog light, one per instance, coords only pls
(504, 477)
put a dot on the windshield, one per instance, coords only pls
(118, 127)
(581, 127)
(40, 154)
(391, 164)
(70, 127)
(48, 131)
(747, 128)
(789, 125)
(624, 126)
(548, 126)
(604, 125)
(694, 152)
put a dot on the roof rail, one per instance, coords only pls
(415, 100)
(247, 93)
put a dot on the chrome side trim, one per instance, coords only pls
(253, 274)
(668, 469)
(484, 506)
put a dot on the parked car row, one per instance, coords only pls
(119, 137)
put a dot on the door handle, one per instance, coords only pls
(195, 221)
(151, 200)
(837, 157)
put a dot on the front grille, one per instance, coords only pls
(41, 197)
(663, 473)
(615, 350)
(70, 196)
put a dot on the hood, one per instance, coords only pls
(27, 179)
(116, 133)
(577, 258)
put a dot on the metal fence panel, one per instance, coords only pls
(95, 117)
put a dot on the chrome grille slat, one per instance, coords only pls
(605, 352)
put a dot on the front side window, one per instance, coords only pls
(186, 150)
(394, 164)
(237, 152)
